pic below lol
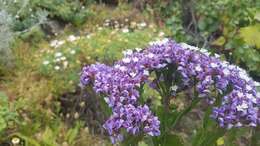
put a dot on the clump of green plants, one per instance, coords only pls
(27, 13)
(224, 26)
(8, 115)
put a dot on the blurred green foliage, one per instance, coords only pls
(229, 27)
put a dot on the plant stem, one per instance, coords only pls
(185, 111)
(255, 136)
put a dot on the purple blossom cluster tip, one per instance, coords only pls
(239, 105)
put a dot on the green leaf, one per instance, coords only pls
(220, 141)
(48, 137)
(219, 42)
(257, 16)
(173, 140)
(72, 133)
(251, 35)
(142, 143)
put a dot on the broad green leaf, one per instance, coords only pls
(219, 42)
(257, 16)
(142, 143)
(251, 35)
(220, 141)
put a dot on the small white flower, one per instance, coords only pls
(168, 60)
(143, 24)
(125, 30)
(138, 49)
(106, 24)
(88, 36)
(146, 72)
(60, 43)
(54, 43)
(57, 68)
(65, 64)
(128, 52)
(217, 55)
(244, 76)
(82, 104)
(63, 58)
(174, 88)
(230, 126)
(122, 68)
(159, 42)
(242, 107)
(71, 38)
(57, 60)
(46, 62)
(126, 60)
(117, 66)
(161, 34)
(150, 55)
(213, 65)
(256, 83)
(226, 72)
(132, 74)
(15, 140)
(58, 54)
(106, 99)
(135, 59)
(240, 94)
(258, 95)
(198, 68)
(238, 124)
(72, 52)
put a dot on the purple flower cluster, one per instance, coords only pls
(239, 106)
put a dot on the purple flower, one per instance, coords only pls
(239, 106)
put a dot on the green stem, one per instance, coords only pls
(184, 112)
(255, 137)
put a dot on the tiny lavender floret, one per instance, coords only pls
(239, 104)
